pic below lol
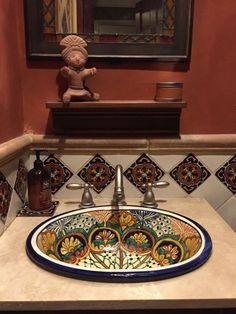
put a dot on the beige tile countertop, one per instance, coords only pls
(25, 286)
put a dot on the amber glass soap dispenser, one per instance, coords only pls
(39, 186)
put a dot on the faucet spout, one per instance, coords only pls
(119, 194)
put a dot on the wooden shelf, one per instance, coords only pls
(117, 117)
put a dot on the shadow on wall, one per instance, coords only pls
(116, 63)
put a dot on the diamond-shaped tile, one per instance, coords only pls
(97, 172)
(5, 197)
(60, 174)
(190, 173)
(142, 171)
(227, 174)
(21, 181)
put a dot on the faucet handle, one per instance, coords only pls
(160, 184)
(149, 197)
(87, 198)
(75, 186)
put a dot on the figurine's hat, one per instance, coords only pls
(73, 43)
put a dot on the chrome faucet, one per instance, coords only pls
(119, 194)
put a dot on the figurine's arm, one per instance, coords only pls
(65, 71)
(89, 72)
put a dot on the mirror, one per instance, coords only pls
(146, 29)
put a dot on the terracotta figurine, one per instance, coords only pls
(76, 55)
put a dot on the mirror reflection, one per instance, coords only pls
(157, 30)
(111, 20)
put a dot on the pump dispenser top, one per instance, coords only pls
(39, 185)
(38, 164)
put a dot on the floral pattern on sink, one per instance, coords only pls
(128, 240)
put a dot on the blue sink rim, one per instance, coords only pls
(119, 275)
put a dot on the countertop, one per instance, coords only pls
(25, 286)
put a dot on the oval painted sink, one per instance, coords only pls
(119, 243)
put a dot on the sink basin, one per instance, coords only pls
(122, 243)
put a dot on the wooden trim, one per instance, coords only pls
(127, 104)
(117, 118)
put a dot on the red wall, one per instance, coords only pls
(209, 79)
(11, 117)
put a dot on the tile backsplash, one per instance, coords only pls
(192, 174)
(13, 189)
(187, 174)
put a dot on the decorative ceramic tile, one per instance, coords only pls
(97, 172)
(190, 173)
(60, 174)
(21, 181)
(227, 174)
(25, 211)
(142, 171)
(5, 197)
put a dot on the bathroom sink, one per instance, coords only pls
(119, 243)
